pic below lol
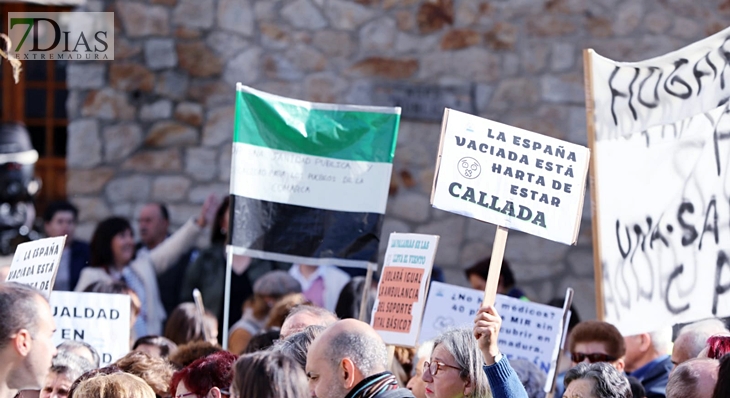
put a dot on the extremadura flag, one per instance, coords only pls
(309, 181)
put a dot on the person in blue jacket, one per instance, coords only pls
(503, 381)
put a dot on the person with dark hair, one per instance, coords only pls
(112, 259)
(596, 341)
(81, 349)
(184, 325)
(156, 346)
(477, 275)
(209, 376)
(268, 375)
(722, 388)
(155, 371)
(65, 368)
(306, 315)
(60, 219)
(348, 304)
(297, 345)
(262, 341)
(637, 389)
(596, 380)
(153, 222)
(190, 352)
(26, 338)
(208, 273)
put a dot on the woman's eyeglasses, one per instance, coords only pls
(434, 367)
(579, 357)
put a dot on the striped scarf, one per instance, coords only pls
(374, 385)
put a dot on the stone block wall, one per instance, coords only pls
(156, 123)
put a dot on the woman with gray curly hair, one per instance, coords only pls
(455, 368)
(596, 380)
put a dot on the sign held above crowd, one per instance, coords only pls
(102, 320)
(658, 132)
(36, 263)
(402, 289)
(510, 177)
(514, 178)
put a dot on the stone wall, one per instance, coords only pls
(156, 123)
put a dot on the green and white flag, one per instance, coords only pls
(309, 181)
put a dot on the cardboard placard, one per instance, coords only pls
(510, 177)
(102, 320)
(35, 263)
(530, 331)
(402, 288)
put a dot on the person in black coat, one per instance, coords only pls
(60, 219)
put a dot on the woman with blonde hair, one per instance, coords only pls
(117, 385)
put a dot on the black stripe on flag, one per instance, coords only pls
(304, 231)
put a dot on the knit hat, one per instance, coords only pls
(276, 283)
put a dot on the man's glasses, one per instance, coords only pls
(434, 367)
(579, 357)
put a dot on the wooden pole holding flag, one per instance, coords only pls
(495, 266)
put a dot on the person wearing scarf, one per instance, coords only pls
(350, 360)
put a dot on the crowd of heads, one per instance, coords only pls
(289, 347)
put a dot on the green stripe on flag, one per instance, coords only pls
(292, 126)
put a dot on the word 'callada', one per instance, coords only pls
(524, 213)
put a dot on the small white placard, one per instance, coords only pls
(35, 263)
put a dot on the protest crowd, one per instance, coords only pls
(293, 333)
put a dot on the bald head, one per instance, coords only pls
(342, 356)
(694, 378)
(350, 338)
(692, 339)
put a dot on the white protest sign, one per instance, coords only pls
(661, 185)
(510, 177)
(530, 331)
(102, 320)
(35, 263)
(402, 288)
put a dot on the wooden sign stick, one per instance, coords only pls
(495, 266)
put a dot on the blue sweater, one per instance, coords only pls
(503, 380)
